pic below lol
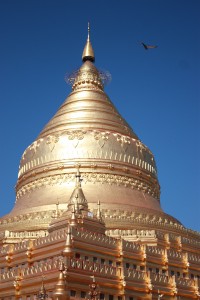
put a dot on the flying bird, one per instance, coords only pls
(147, 47)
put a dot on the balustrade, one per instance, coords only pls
(183, 282)
(159, 278)
(135, 274)
(94, 267)
(155, 250)
(174, 254)
(131, 246)
(193, 258)
(96, 239)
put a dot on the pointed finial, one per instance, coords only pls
(61, 292)
(77, 199)
(73, 217)
(78, 178)
(99, 215)
(42, 293)
(67, 251)
(57, 210)
(88, 53)
(88, 31)
(93, 293)
(76, 206)
(56, 214)
(160, 295)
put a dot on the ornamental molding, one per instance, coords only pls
(53, 139)
(89, 79)
(141, 157)
(133, 183)
(101, 137)
(130, 219)
(124, 141)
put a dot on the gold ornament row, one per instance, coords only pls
(101, 138)
(124, 141)
(110, 179)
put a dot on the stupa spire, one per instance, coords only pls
(88, 52)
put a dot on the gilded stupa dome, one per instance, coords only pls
(87, 131)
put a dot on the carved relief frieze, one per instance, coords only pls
(51, 141)
(23, 156)
(44, 182)
(101, 137)
(87, 79)
(34, 146)
(75, 136)
(141, 149)
(89, 83)
(89, 177)
(123, 140)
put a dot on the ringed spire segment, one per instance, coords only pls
(88, 52)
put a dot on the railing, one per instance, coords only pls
(131, 246)
(193, 258)
(155, 250)
(41, 267)
(159, 278)
(191, 242)
(174, 254)
(96, 238)
(135, 275)
(7, 275)
(183, 282)
(22, 246)
(25, 271)
(131, 232)
(4, 250)
(55, 236)
(100, 269)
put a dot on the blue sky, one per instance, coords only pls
(156, 91)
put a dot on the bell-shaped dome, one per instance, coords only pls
(87, 131)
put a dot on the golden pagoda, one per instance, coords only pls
(88, 204)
